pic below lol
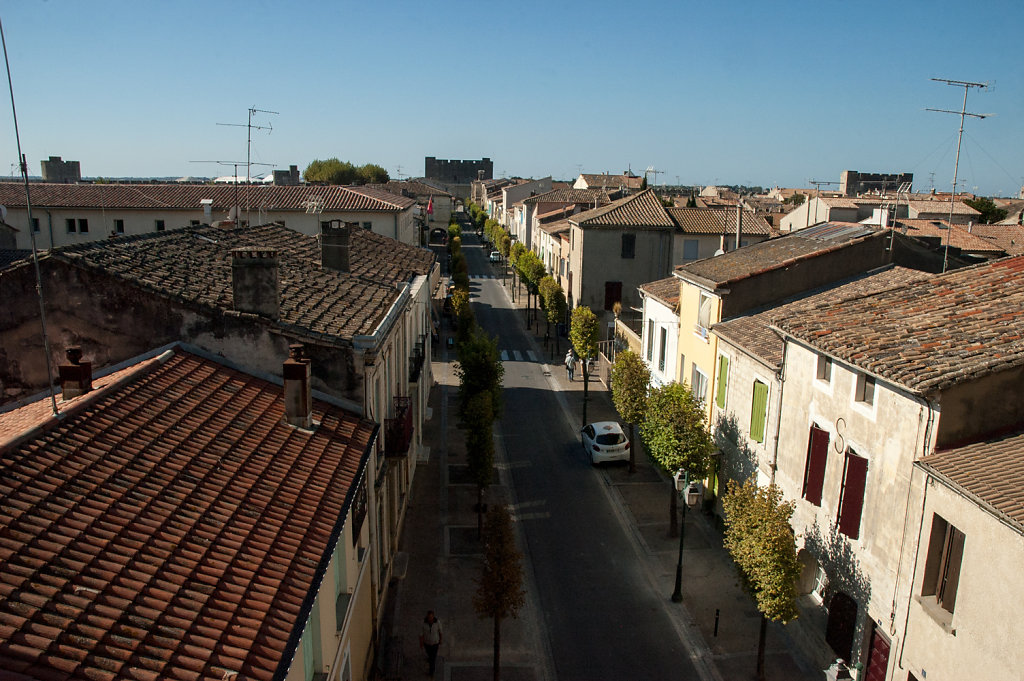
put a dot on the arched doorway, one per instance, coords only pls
(842, 622)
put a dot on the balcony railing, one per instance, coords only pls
(398, 430)
(417, 358)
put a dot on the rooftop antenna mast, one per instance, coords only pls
(32, 234)
(817, 192)
(963, 113)
(234, 178)
(248, 148)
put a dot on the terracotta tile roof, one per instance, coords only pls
(188, 196)
(958, 236)
(414, 187)
(12, 255)
(774, 253)
(554, 228)
(841, 202)
(192, 265)
(941, 207)
(569, 195)
(717, 220)
(640, 210)
(612, 181)
(1010, 238)
(753, 332)
(927, 336)
(665, 290)
(171, 529)
(991, 471)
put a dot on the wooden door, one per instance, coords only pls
(878, 657)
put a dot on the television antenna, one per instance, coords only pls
(963, 113)
(234, 177)
(248, 147)
(817, 192)
(651, 170)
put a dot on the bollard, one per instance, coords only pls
(717, 613)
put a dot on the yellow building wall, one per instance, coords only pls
(694, 347)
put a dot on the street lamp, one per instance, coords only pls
(690, 494)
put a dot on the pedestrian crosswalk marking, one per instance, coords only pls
(504, 355)
(531, 355)
(519, 358)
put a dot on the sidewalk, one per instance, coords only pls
(716, 618)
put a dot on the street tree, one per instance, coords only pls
(333, 171)
(675, 434)
(499, 592)
(532, 270)
(760, 540)
(630, 380)
(552, 297)
(465, 320)
(583, 332)
(479, 369)
(478, 422)
(990, 212)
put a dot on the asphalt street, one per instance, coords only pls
(602, 615)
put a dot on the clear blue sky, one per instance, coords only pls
(737, 93)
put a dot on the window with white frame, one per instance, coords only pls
(704, 311)
(699, 384)
(662, 348)
(865, 392)
(650, 340)
(820, 584)
(824, 372)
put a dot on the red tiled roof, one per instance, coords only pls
(1010, 238)
(717, 221)
(958, 236)
(612, 181)
(665, 290)
(192, 265)
(570, 196)
(927, 336)
(941, 207)
(991, 471)
(753, 332)
(639, 211)
(173, 528)
(188, 196)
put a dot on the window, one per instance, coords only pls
(865, 389)
(758, 411)
(612, 294)
(662, 348)
(704, 312)
(70, 224)
(824, 368)
(194, 223)
(690, 249)
(629, 246)
(814, 469)
(83, 225)
(942, 567)
(723, 379)
(820, 584)
(119, 226)
(368, 226)
(851, 497)
(35, 224)
(358, 512)
(699, 384)
(160, 225)
(650, 340)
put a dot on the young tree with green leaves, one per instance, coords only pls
(532, 270)
(990, 212)
(583, 332)
(478, 421)
(499, 592)
(675, 434)
(552, 297)
(760, 540)
(630, 381)
(479, 369)
(333, 171)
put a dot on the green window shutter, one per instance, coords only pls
(757, 411)
(723, 377)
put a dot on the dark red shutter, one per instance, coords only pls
(852, 500)
(814, 473)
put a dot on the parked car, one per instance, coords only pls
(604, 441)
(495, 256)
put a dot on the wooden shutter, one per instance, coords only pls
(953, 553)
(852, 500)
(723, 377)
(814, 473)
(758, 408)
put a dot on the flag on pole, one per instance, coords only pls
(430, 206)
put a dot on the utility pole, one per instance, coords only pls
(966, 85)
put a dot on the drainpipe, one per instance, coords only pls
(781, 376)
(49, 224)
(396, 227)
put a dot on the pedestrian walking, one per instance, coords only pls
(430, 638)
(570, 363)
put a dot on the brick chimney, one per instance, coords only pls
(76, 376)
(254, 281)
(335, 241)
(298, 394)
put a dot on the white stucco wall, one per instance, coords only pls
(664, 318)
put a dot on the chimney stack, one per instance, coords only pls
(76, 377)
(254, 281)
(298, 394)
(335, 245)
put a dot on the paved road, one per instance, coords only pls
(603, 618)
